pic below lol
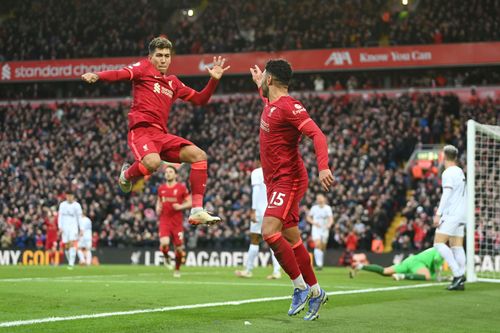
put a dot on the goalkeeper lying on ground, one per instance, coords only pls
(426, 265)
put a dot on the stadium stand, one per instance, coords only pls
(67, 30)
(45, 149)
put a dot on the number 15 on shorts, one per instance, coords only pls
(277, 200)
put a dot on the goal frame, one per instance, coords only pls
(472, 128)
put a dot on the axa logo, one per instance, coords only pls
(6, 72)
(202, 66)
(338, 58)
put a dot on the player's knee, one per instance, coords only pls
(199, 155)
(152, 162)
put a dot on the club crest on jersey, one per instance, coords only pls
(145, 147)
(158, 89)
(175, 192)
(272, 110)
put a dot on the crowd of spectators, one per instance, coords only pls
(45, 150)
(416, 232)
(52, 29)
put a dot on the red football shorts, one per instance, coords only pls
(283, 199)
(50, 243)
(146, 140)
(175, 233)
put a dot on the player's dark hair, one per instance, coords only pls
(450, 153)
(159, 43)
(281, 70)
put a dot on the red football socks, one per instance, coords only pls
(304, 261)
(178, 259)
(198, 179)
(284, 253)
(136, 170)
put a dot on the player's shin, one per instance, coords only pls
(373, 268)
(285, 256)
(89, 257)
(179, 254)
(198, 179)
(81, 256)
(448, 256)
(136, 171)
(416, 277)
(304, 261)
(253, 252)
(459, 254)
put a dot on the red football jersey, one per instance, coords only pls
(153, 94)
(169, 195)
(280, 125)
(51, 227)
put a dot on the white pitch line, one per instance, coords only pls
(203, 305)
(215, 283)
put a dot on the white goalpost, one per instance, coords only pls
(483, 200)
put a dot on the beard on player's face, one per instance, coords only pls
(265, 88)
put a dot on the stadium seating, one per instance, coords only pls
(67, 30)
(44, 150)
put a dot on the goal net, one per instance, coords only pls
(483, 211)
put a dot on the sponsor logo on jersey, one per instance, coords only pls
(264, 126)
(298, 109)
(157, 88)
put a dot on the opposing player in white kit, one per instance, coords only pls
(69, 216)
(321, 218)
(259, 204)
(85, 241)
(450, 218)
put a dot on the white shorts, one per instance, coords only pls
(451, 227)
(320, 234)
(85, 243)
(69, 235)
(256, 227)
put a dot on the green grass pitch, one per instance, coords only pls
(30, 292)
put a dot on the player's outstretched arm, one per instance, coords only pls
(216, 71)
(110, 76)
(321, 148)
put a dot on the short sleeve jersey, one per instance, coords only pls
(169, 195)
(153, 94)
(280, 125)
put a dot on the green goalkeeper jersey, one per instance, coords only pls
(431, 259)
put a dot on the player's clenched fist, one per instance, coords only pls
(90, 77)
(326, 179)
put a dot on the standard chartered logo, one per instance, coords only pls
(6, 72)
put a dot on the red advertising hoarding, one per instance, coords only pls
(302, 61)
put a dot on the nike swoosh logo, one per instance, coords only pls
(202, 65)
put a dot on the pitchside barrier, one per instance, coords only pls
(213, 258)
